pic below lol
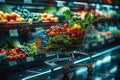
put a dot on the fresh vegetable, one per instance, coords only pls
(13, 53)
(49, 9)
(13, 43)
(26, 14)
(31, 49)
(10, 17)
(41, 36)
(48, 18)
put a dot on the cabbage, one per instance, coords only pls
(63, 9)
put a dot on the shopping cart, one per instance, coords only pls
(69, 59)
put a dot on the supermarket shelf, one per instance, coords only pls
(25, 4)
(86, 2)
(45, 25)
(34, 61)
(75, 2)
(26, 25)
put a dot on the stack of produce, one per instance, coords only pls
(108, 14)
(101, 36)
(26, 14)
(12, 49)
(48, 18)
(64, 38)
(13, 54)
(73, 32)
(112, 32)
(31, 49)
(41, 38)
(58, 12)
(10, 17)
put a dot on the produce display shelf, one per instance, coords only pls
(34, 22)
(26, 25)
(37, 60)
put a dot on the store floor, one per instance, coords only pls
(105, 67)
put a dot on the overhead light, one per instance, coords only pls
(116, 7)
(30, 7)
(82, 3)
(98, 6)
(71, 4)
(107, 6)
(92, 4)
(60, 3)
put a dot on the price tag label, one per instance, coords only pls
(12, 63)
(94, 44)
(13, 32)
(37, 29)
(27, 1)
(2, 0)
(29, 59)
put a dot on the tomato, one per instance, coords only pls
(62, 29)
(79, 33)
(52, 33)
(8, 53)
(14, 57)
(52, 27)
(66, 25)
(10, 57)
(68, 30)
(2, 50)
(48, 30)
(59, 28)
(18, 50)
(73, 36)
(18, 56)
(13, 50)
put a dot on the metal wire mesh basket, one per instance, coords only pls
(77, 45)
(80, 48)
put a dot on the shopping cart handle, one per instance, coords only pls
(80, 52)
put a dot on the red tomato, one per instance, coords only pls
(10, 57)
(66, 25)
(2, 50)
(73, 36)
(18, 50)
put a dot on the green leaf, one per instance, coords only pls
(101, 19)
(88, 17)
(68, 15)
(92, 16)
